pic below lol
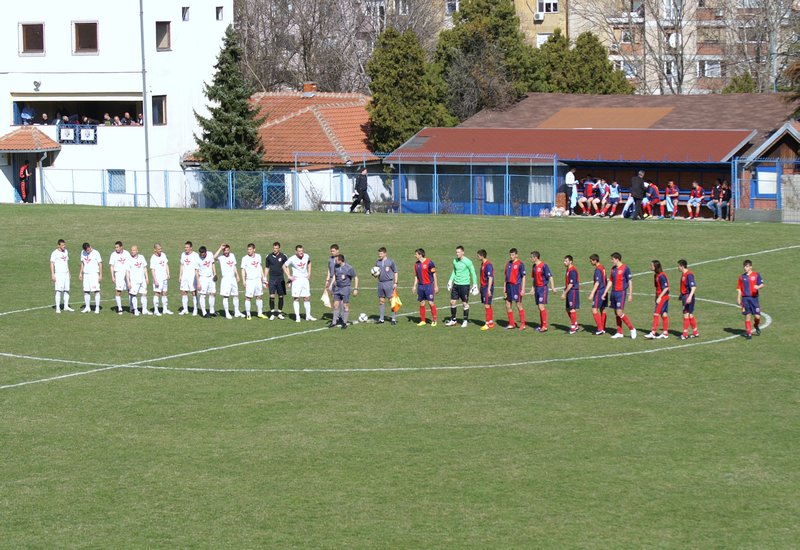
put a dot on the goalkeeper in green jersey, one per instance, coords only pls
(462, 277)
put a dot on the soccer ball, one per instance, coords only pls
(362, 317)
(375, 271)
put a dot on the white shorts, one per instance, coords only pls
(62, 282)
(253, 287)
(160, 287)
(138, 288)
(91, 282)
(187, 285)
(205, 285)
(301, 288)
(229, 287)
(119, 282)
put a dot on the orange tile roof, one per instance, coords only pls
(316, 129)
(27, 139)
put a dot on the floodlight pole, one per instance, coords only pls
(145, 112)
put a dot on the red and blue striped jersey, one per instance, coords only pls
(424, 270)
(541, 274)
(515, 271)
(487, 272)
(620, 277)
(748, 283)
(600, 278)
(697, 193)
(652, 192)
(660, 282)
(572, 278)
(687, 283)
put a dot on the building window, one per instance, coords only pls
(542, 38)
(163, 36)
(709, 35)
(219, 13)
(625, 36)
(451, 6)
(709, 68)
(32, 38)
(627, 68)
(85, 38)
(673, 10)
(547, 6)
(159, 110)
(116, 181)
(185, 13)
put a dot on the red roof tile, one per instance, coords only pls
(27, 139)
(462, 145)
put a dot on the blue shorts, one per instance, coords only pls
(425, 293)
(573, 300)
(612, 200)
(662, 307)
(688, 307)
(750, 306)
(486, 294)
(617, 299)
(540, 295)
(598, 302)
(513, 293)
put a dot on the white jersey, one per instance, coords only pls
(137, 267)
(60, 261)
(227, 266)
(159, 266)
(206, 266)
(119, 262)
(190, 263)
(252, 267)
(91, 262)
(299, 266)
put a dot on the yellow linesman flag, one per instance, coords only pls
(395, 302)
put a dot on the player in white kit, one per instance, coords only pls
(59, 274)
(206, 283)
(137, 280)
(253, 276)
(229, 286)
(300, 279)
(159, 268)
(190, 262)
(118, 263)
(91, 274)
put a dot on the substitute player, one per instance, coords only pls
(253, 277)
(750, 282)
(59, 274)
(206, 283)
(137, 280)
(487, 288)
(462, 277)
(118, 263)
(159, 269)
(298, 270)
(387, 283)
(661, 310)
(344, 279)
(598, 295)
(426, 285)
(190, 262)
(91, 274)
(275, 280)
(571, 294)
(229, 286)
(514, 289)
(619, 285)
(541, 277)
(688, 290)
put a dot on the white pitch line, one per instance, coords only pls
(60, 377)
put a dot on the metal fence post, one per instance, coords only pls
(135, 191)
(506, 190)
(230, 190)
(166, 189)
(103, 187)
(435, 186)
(555, 182)
(400, 187)
(778, 186)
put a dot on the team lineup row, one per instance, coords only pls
(131, 273)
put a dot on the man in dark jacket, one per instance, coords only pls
(637, 192)
(361, 194)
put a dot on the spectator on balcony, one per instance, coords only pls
(117, 121)
(87, 120)
(127, 120)
(44, 120)
(140, 119)
(107, 120)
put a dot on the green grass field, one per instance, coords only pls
(294, 435)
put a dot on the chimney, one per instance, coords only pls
(309, 89)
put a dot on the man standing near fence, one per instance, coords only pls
(637, 191)
(361, 192)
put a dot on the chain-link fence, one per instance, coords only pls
(767, 189)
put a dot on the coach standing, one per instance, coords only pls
(637, 192)
(362, 193)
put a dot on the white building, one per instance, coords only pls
(94, 57)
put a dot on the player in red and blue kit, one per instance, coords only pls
(688, 289)
(598, 294)
(487, 288)
(652, 198)
(515, 289)
(571, 294)
(541, 276)
(750, 283)
(661, 284)
(620, 283)
(426, 285)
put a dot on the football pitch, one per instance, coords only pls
(123, 431)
